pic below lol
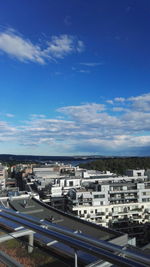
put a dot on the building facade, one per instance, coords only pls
(115, 199)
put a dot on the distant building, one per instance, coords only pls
(3, 176)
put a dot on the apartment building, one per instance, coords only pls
(3, 176)
(53, 170)
(113, 199)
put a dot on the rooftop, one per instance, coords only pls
(40, 210)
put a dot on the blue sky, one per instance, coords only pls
(75, 77)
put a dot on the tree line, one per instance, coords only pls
(118, 165)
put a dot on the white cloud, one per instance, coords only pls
(83, 112)
(9, 115)
(14, 45)
(37, 115)
(144, 97)
(120, 142)
(92, 64)
(86, 128)
(80, 46)
(7, 132)
(24, 50)
(62, 45)
(136, 120)
(109, 101)
(119, 99)
(84, 71)
(118, 109)
(141, 102)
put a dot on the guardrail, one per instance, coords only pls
(103, 250)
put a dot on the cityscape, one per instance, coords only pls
(76, 202)
(75, 133)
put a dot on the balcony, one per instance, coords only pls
(147, 186)
(133, 189)
(125, 212)
(84, 203)
(98, 214)
(137, 217)
(123, 201)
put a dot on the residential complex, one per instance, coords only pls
(115, 199)
(99, 197)
(85, 202)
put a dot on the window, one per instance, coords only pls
(99, 196)
(71, 183)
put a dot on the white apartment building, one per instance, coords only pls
(56, 187)
(95, 173)
(54, 170)
(3, 176)
(113, 199)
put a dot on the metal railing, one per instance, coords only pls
(104, 250)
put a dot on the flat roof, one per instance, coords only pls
(41, 210)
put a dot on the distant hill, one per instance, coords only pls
(98, 162)
(34, 158)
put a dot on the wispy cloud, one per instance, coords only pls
(62, 45)
(67, 20)
(84, 71)
(92, 64)
(22, 49)
(80, 46)
(7, 132)
(37, 116)
(9, 115)
(14, 45)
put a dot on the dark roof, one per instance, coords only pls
(41, 210)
